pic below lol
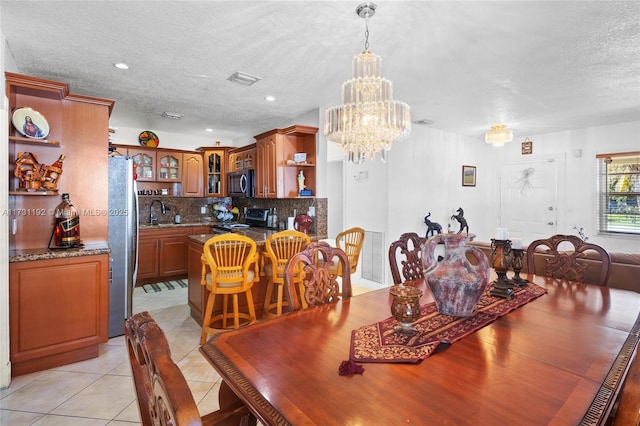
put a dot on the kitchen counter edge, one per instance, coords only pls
(27, 255)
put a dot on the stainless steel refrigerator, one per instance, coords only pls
(123, 241)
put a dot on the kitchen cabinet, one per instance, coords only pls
(58, 311)
(192, 175)
(242, 158)
(162, 254)
(79, 129)
(215, 171)
(276, 172)
(154, 165)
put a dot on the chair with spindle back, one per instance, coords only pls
(567, 264)
(229, 269)
(406, 251)
(320, 284)
(351, 241)
(163, 395)
(279, 248)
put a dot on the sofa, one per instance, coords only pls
(624, 272)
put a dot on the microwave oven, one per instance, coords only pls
(241, 184)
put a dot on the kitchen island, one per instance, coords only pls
(198, 293)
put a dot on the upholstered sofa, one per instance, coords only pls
(624, 272)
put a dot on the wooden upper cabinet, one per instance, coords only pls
(169, 165)
(79, 129)
(243, 158)
(276, 171)
(215, 171)
(192, 175)
(145, 162)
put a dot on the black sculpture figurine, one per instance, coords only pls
(461, 220)
(432, 227)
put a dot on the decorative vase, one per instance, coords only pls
(455, 283)
(405, 307)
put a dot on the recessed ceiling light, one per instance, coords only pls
(208, 130)
(269, 98)
(121, 65)
(243, 79)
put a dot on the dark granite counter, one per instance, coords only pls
(89, 249)
(259, 235)
(176, 225)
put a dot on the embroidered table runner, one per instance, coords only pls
(379, 343)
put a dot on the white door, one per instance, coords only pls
(529, 198)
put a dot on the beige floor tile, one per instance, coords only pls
(19, 382)
(48, 392)
(51, 420)
(130, 414)
(208, 402)
(195, 368)
(95, 402)
(17, 417)
(110, 357)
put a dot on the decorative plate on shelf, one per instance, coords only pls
(30, 123)
(148, 139)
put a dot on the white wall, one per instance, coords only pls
(5, 363)
(129, 136)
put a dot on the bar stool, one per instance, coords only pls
(350, 241)
(280, 247)
(229, 268)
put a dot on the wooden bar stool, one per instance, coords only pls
(229, 268)
(280, 247)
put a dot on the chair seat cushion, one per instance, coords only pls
(238, 283)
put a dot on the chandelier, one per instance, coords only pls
(369, 120)
(498, 135)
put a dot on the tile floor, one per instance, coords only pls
(100, 391)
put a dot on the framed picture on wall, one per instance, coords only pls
(468, 175)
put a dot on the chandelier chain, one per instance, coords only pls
(366, 33)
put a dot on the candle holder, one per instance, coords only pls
(500, 253)
(518, 255)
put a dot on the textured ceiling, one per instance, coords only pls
(537, 66)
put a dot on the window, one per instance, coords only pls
(619, 193)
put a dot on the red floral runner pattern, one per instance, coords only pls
(379, 343)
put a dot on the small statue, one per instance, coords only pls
(301, 182)
(432, 227)
(461, 220)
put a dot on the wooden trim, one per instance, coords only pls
(619, 154)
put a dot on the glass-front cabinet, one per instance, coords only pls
(215, 172)
(169, 167)
(145, 164)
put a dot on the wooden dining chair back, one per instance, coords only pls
(163, 395)
(405, 258)
(229, 269)
(279, 248)
(351, 241)
(321, 284)
(569, 264)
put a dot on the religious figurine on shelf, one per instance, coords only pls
(432, 227)
(461, 220)
(301, 186)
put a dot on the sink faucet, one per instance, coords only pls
(163, 209)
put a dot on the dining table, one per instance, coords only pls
(559, 358)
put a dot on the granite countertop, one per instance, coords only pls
(89, 249)
(259, 235)
(175, 225)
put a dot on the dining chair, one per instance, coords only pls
(162, 392)
(351, 241)
(405, 257)
(229, 268)
(320, 283)
(279, 248)
(568, 264)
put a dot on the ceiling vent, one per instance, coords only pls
(172, 115)
(243, 79)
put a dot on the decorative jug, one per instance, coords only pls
(456, 283)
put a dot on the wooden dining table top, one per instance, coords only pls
(558, 360)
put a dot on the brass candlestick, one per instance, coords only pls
(500, 253)
(518, 255)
